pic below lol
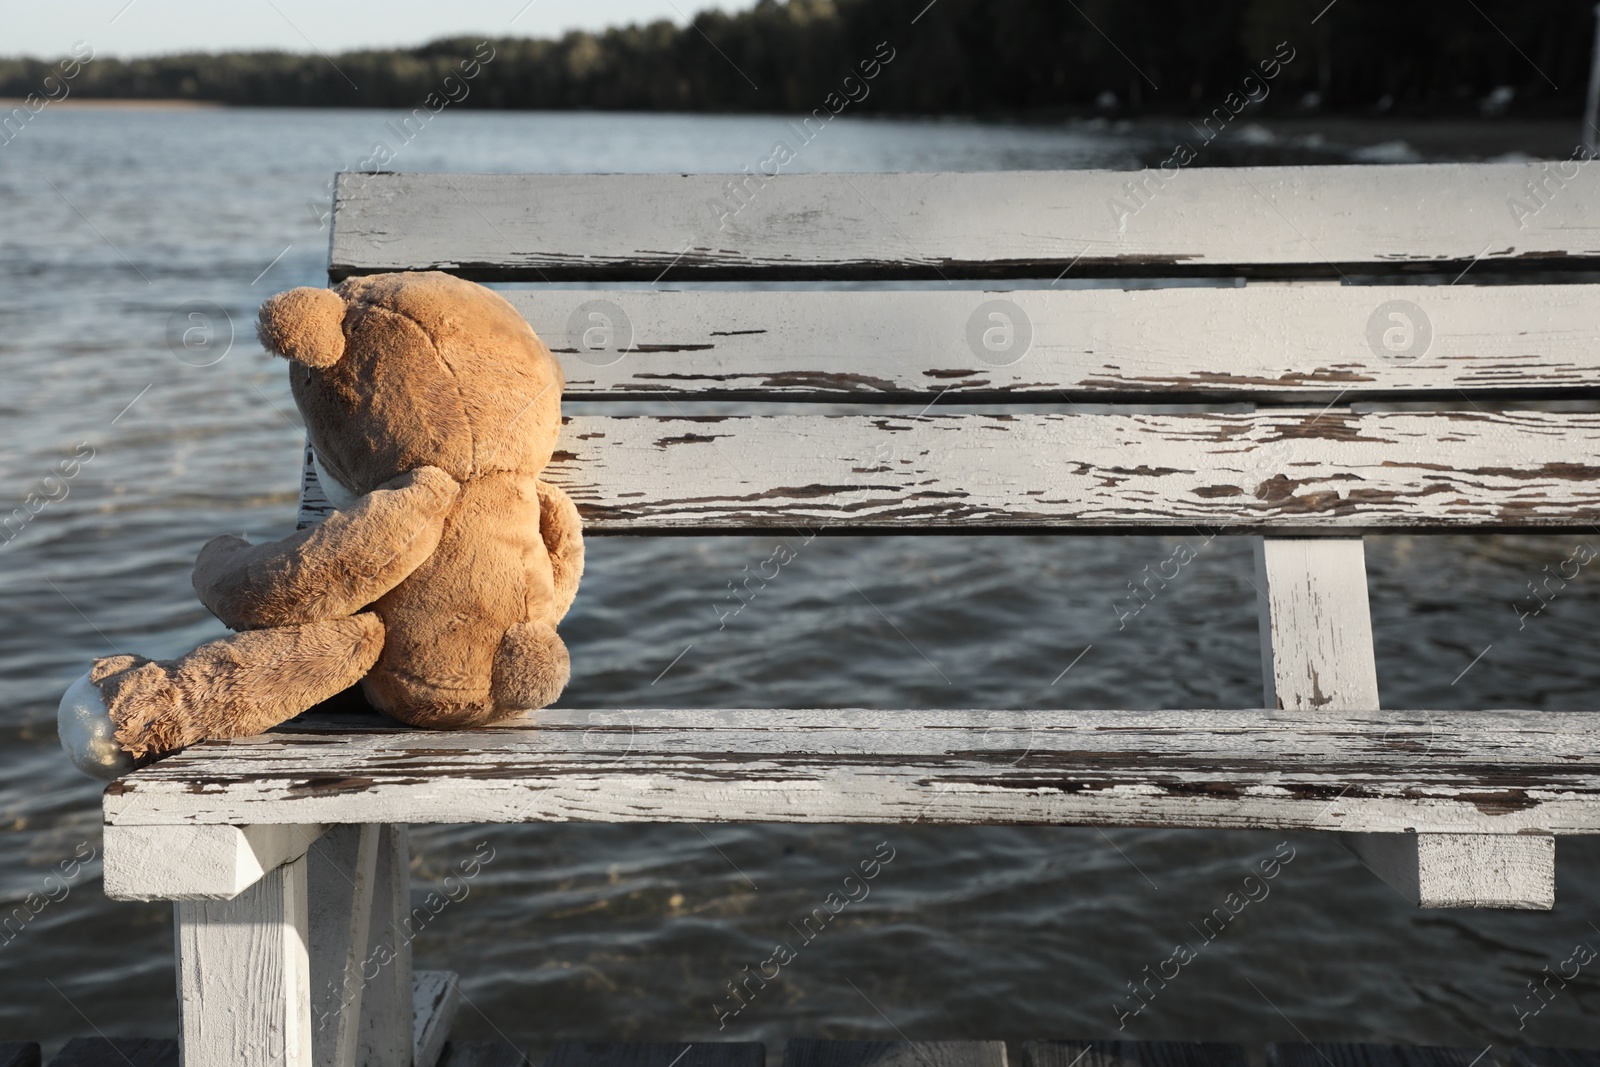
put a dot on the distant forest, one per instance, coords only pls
(1018, 57)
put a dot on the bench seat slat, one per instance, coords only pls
(1269, 344)
(1309, 221)
(1288, 471)
(1386, 771)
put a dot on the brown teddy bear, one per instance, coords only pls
(432, 408)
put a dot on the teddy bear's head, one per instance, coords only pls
(397, 371)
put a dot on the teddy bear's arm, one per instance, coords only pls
(332, 570)
(562, 532)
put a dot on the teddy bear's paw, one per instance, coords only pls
(88, 734)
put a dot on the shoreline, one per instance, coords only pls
(1311, 135)
(138, 103)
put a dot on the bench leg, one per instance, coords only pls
(244, 975)
(387, 1031)
(311, 965)
(368, 1007)
(342, 866)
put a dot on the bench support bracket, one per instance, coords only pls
(1463, 870)
(197, 861)
(1317, 653)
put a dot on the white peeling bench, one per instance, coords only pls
(287, 854)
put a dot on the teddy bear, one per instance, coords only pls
(431, 409)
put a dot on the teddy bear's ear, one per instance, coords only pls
(305, 325)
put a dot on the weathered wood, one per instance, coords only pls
(1287, 471)
(1290, 472)
(244, 975)
(1495, 772)
(810, 1052)
(388, 992)
(1286, 1054)
(340, 871)
(434, 1004)
(1274, 344)
(1306, 221)
(657, 1054)
(107, 1052)
(481, 1054)
(1131, 1054)
(197, 862)
(1442, 870)
(1555, 1057)
(1316, 628)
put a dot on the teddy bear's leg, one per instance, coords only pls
(562, 532)
(129, 709)
(531, 668)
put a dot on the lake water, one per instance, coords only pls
(111, 219)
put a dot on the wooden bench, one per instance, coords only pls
(286, 853)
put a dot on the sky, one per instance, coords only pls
(49, 28)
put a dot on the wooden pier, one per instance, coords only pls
(811, 1052)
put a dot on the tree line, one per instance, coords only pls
(985, 57)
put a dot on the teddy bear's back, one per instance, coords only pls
(445, 622)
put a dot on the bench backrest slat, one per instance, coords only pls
(1290, 472)
(1267, 344)
(1274, 221)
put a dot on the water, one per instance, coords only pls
(633, 932)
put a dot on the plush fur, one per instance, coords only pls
(439, 589)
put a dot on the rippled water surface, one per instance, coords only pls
(110, 219)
